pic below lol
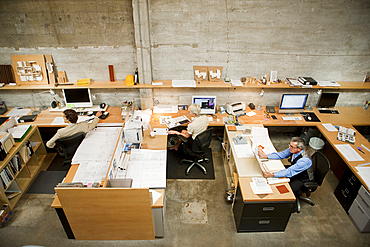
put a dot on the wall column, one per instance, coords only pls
(140, 10)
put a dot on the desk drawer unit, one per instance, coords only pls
(261, 216)
(359, 212)
(347, 189)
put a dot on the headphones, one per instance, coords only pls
(102, 105)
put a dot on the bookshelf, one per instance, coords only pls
(21, 165)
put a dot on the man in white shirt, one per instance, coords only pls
(197, 126)
(70, 116)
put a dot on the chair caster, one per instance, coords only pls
(312, 204)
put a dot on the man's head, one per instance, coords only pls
(296, 145)
(195, 109)
(71, 115)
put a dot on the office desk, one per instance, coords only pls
(265, 212)
(348, 116)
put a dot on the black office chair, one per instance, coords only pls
(321, 167)
(67, 146)
(198, 150)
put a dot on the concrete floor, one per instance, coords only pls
(325, 224)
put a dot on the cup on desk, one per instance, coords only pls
(152, 134)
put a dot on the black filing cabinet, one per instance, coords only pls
(347, 189)
(261, 216)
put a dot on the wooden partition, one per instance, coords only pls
(108, 213)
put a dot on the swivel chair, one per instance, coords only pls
(198, 150)
(67, 146)
(321, 167)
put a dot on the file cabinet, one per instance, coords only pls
(347, 189)
(359, 212)
(261, 216)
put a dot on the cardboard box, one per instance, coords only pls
(5, 214)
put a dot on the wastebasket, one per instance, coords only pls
(316, 143)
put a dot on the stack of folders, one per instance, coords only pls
(307, 81)
(293, 82)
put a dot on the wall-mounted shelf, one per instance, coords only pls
(168, 84)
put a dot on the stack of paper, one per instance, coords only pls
(260, 186)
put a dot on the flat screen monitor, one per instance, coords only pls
(207, 104)
(80, 97)
(327, 100)
(292, 103)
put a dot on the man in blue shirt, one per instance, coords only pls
(300, 170)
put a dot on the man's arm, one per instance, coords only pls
(301, 165)
(93, 124)
(51, 142)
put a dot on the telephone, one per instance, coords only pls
(236, 109)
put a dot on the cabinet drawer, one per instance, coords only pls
(359, 217)
(261, 224)
(347, 189)
(267, 209)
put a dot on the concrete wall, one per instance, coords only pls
(328, 40)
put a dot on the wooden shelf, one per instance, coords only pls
(168, 84)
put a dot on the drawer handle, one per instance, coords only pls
(349, 180)
(344, 192)
(264, 222)
(364, 202)
(268, 208)
(362, 211)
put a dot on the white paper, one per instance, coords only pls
(18, 112)
(183, 83)
(348, 152)
(277, 180)
(260, 186)
(18, 131)
(329, 127)
(157, 83)
(155, 195)
(236, 83)
(59, 121)
(273, 165)
(364, 172)
(244, 151)
(251, 113)
(147, 168)
(328, 84)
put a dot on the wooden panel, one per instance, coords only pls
(51, 76)
(108, 214)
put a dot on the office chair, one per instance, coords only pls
(321, 167)
(67, 146)
(198, 150)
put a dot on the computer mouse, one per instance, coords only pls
(309, 118)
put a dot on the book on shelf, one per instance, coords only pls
(293, 82)
(307, 80)
(13, 190)
(83, 82)
(328, 84)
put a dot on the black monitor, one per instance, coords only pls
(78, 97)
(292, 103)
(327, 100)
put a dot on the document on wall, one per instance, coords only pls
(147, 168)
(348, 152)
(260, 186)
(183, 83)
(165, 109)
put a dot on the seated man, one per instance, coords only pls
(300, 171)
(70, 116)
(197, 126)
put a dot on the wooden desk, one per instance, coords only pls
(106, 220)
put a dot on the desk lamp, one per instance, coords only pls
(41, 108)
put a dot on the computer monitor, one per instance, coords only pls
(327, 100)
(207, 104)
(75, 98)
(292, 103)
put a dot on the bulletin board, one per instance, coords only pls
(200, 73)
(30, 69)
(215, 73)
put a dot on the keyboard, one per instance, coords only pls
(329, 111)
